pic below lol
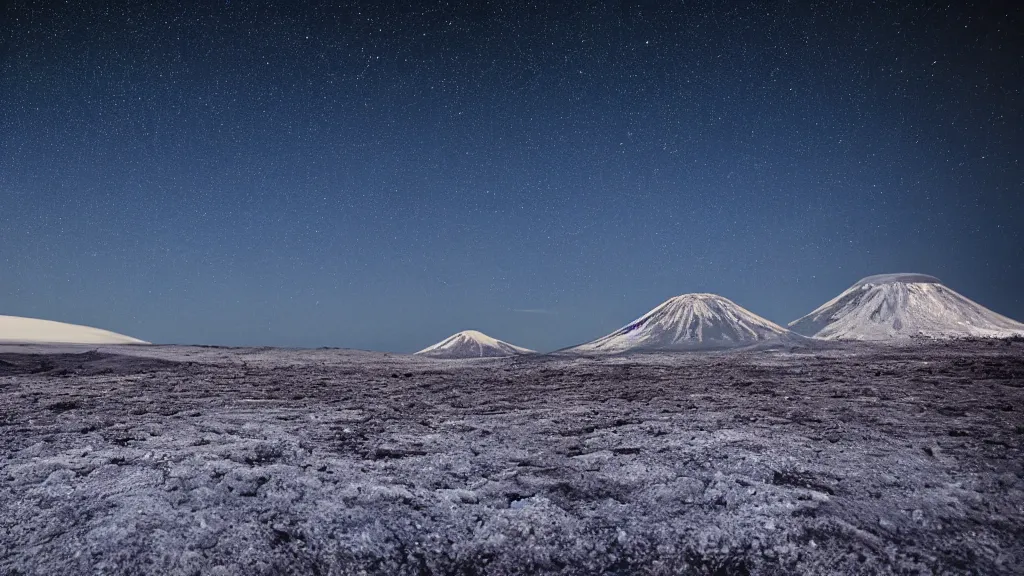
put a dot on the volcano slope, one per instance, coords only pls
(18, 329)
(861, 460)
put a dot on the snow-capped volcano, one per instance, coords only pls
(690, 322)
(896, 306)
(472, 344)
(33, 330)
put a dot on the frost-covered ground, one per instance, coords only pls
(171, 460)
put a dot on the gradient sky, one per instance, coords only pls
(383, 174)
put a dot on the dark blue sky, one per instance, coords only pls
(384, 174)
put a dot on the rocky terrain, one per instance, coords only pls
(171, 460)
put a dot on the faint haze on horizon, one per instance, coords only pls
(381, 177)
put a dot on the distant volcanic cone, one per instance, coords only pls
(898, 306)
(33, 330)
(472, 344)
(690, 322)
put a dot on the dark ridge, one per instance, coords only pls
(89, 363)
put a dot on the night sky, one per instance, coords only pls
(383, 174)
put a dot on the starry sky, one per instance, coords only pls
(379, 175)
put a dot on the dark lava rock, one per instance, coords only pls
(208, 460)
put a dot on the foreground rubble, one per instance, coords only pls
(255, 461)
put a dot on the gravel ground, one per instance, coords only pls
(193, 460)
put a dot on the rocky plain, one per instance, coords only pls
(848, 459)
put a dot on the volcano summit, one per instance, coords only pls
(899, 306)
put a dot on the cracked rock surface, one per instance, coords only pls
(197, 460)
